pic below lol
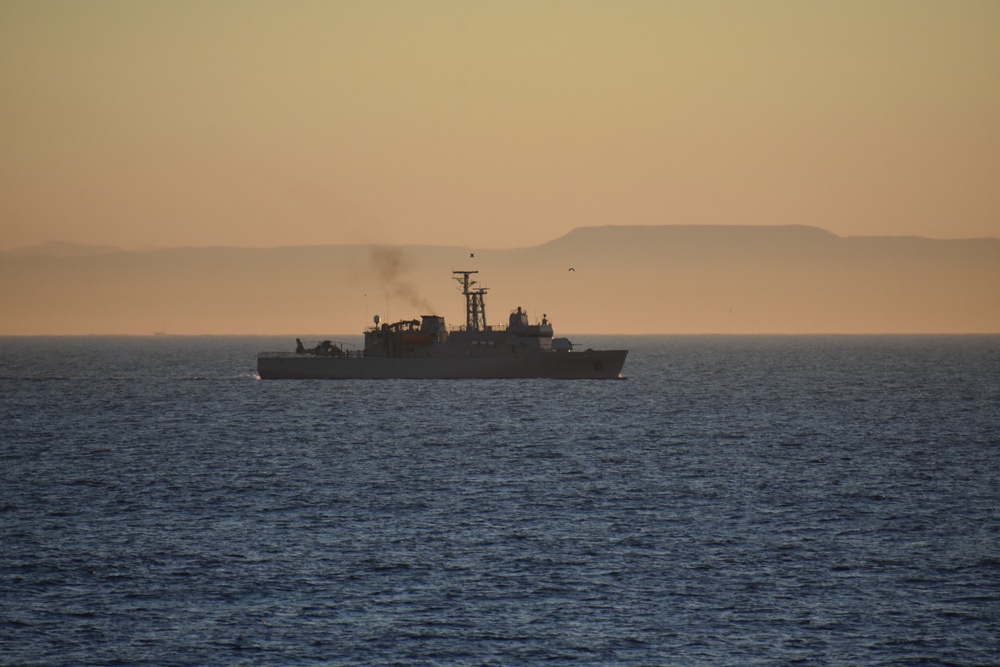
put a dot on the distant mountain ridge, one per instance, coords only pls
(605, 279)
(587, 234)
(63, 249)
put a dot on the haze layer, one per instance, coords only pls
(670, 279)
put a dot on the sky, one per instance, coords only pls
(492, 124)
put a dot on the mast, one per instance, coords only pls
(475, 306)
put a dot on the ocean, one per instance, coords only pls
(737, 500)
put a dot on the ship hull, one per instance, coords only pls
(585, 365)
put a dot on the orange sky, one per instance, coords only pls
(505, 124)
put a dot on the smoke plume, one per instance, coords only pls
(389, 264)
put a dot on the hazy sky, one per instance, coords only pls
(492, 124)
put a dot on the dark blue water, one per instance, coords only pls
(735, 501)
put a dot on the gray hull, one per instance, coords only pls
(590, 364)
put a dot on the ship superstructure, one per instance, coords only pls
(426, 348)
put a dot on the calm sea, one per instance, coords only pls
(735, 501)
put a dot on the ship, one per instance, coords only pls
(426, 348)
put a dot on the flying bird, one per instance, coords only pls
(572, 269)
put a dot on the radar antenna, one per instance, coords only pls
(475, 306)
